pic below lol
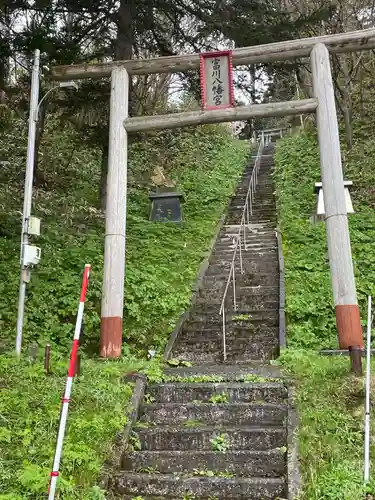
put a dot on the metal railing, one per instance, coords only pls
(267, 135)
(240, 239)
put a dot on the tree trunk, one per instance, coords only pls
(123, 50)
(39, 178)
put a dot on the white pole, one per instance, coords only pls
(34, 96)
(367, 410)
(115, 224)
(68, 386)
(337, 227)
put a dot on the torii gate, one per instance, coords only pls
(323, 104)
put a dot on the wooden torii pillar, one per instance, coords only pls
(342, 275)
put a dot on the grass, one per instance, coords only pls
(330, 406)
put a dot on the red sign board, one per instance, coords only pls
(216, 72)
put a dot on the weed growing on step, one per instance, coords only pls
(253, 378)
(148, 399)
(193, 378)
(134, 442)
(148, 470)
(193, 423)
(220, 443)
(219, 398)
(241, 317)
(178, 362)
(211, 473)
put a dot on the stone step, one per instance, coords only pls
(226, 372)
(213, 351)
(258, 208)
(253, 241)
(174, 487)
(214, 414)
(237, 218)
(209, 317)
(174, 438)
(259, 234)
(243, 299)
(246, 305)
(248, 267)
(270, 463)
(267, 392)
(243, 280)
(253, 332)
(217, 288)
(248, 253)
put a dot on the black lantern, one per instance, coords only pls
(166, 206)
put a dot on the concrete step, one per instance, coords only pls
(267, 392)
(212, 351)
(270, 463)
(215, 414)
(174, 438)
(173, 487)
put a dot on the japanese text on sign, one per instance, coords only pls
(216, 80)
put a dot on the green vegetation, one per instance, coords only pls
(162, 263)
(331, 420)
(203, 162)
(330, 402)
(29, 415)
(219, 398)
(220, 443)
(311, 319)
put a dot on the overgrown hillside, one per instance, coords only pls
(161, 259)
(310, 313)
(162, 264)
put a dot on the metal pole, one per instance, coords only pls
(224, 337)
(240, 243)
(24, 278)
(234, 287)
(338, 240)
(367, 409)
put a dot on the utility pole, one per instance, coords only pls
(340, 257)
(25, 273)
(115, 226)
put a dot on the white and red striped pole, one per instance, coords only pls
(68, 386)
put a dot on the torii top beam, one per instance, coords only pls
(352, 41)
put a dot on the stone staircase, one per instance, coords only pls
(218, 430)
